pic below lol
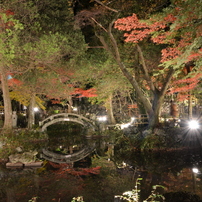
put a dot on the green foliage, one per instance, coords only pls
(42, 53)
(126, 144)
(161, 139)
(9, 39)
(133, 196)
(24, 98)
(153, 141)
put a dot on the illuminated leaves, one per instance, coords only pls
(184, 86)
(79, 92)
(138, 30)
(171, 27)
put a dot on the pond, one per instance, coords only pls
(106, 172)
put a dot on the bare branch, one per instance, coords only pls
(145, 69)
(167, 81)
(98, 24)
(107, 7)
(95, 47)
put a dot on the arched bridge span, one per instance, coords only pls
(55, 118)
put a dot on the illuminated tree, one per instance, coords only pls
(43, 49)
(182, 45)
(170, 32)
(9, 43)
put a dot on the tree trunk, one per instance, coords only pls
(70, 104)
(110, 113)
(156, 106)
(31, 117)
(7, 101)
(190, 106)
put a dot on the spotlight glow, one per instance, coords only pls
(75, 109)
(195, 170)
(36, 109)
(193, 124)
(125, 125)
(102, 118)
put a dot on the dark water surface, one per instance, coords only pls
(97, 179)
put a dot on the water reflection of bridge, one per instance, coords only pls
(69, 158)
(70, 117)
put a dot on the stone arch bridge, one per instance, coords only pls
(71, 117)
(70, 158)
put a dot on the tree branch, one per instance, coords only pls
(131, 79)
(145, 69)
(99, 24)
(107, 7)
(167, 81)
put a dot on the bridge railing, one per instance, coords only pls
(61, 117)
(65, 116)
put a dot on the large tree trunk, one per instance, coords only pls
(156, 106)
(31, 117)
(7, 101)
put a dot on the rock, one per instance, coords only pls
(34, 164)
(25, 157)
(146, 132)
(18, 149)
(14, 165)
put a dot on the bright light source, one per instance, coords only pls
(102, 118)
(193, 124)
(125, 125)
(36, 109)
(132, 119)
(195, 170)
